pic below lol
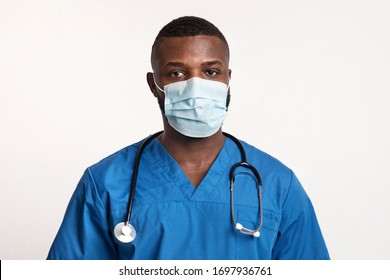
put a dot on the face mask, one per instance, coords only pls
(195, 107)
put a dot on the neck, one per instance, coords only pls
(192, 153)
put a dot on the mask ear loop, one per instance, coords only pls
(154, 80)
(155, 83)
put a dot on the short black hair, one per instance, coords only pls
(188, 26)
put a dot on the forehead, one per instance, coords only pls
(193, 49)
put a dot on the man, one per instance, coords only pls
(183, 207)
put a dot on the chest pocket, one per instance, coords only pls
(249, 247)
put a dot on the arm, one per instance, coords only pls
(85, 232)
(299, 235)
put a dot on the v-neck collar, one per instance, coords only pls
(181, 182)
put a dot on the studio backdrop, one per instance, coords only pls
(310, 86)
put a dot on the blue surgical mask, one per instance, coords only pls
(195, 107)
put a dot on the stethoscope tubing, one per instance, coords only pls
(135, 174)
(243, 164)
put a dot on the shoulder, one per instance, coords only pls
(265, 161)
(114, 170)
(277, 178)
(118, 159)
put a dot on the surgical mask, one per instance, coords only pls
(195, 107)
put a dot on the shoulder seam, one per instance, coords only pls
(95, 188)
(289, 188)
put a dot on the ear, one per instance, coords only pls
(152, 86)
(230, 77)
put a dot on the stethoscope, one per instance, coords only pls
(126, 233)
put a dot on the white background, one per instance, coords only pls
(310, 85)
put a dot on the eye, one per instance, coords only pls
(176, 74)
(211, 72)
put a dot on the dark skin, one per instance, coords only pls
(178, 59)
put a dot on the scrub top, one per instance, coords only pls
(174, 220)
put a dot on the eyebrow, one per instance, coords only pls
(180, 64)
(211, 63)
(174, 64)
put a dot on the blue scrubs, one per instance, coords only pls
(176, 221)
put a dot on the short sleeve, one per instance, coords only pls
(299, 236)
(84, 232)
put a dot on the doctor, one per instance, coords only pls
(182, 207)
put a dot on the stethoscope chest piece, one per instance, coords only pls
(125, 233)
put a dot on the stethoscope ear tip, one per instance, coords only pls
(241, 228)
